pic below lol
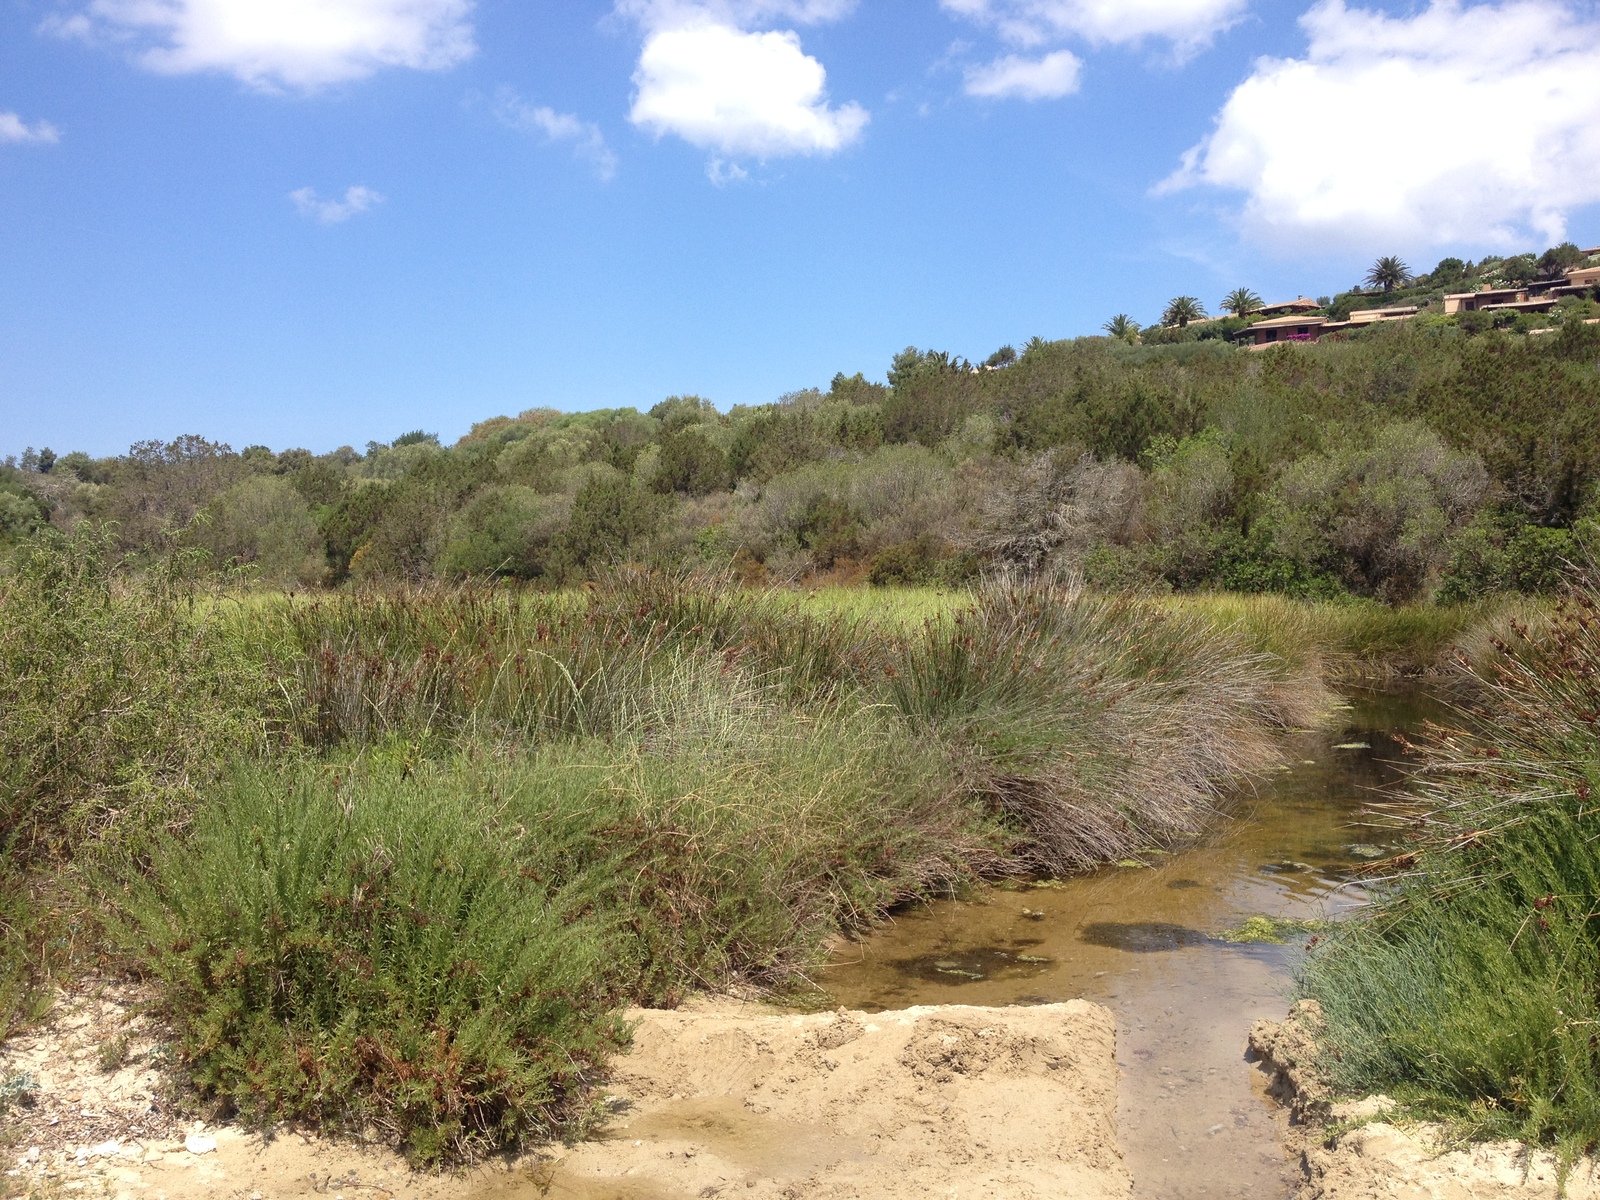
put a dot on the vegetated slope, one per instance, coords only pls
(397, 858)
(1469, 990)
(1408, 462)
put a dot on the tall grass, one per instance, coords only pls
(1470, 989)
(1101, 726)
(402, 855)
(1352, 640)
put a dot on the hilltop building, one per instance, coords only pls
(1537, 297)
(1311, 328)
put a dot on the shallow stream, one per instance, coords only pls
(1192, 1117)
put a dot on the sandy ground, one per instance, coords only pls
(1380, 1160)
(719, 1099)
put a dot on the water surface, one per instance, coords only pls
(1192, 1117)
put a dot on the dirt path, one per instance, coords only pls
(718, 1099)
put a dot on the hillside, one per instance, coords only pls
(1406, 461)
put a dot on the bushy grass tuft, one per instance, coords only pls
(1102, 726)
(377, 952)
(1470, 989)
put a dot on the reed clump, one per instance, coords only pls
(1469, 989)
(1102, 726)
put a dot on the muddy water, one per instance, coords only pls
(1192, 1117)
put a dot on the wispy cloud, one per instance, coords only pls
(1048, 78)
(660, 14)
(722, 173)
(356, 200)
(588, 142)
(14, 129)
(1188, 25)
(301, 44)
(1528, 154)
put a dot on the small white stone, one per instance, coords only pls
(197, 1144)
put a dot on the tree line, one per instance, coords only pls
(1407, 462)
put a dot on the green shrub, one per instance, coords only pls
(263, 524)
(1488, 557)
(373, 952)
(691, 464)
(1468, 990)
(506, 530)
(123, 693)
(905, 563)
(609, 515)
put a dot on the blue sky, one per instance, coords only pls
(316, 222)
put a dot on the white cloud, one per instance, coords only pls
(1462, 123)
(1048, 78)
(282, 43)
(14, 129)
(588, 142)
(1187, 24)
(331, 212)
(723, 89)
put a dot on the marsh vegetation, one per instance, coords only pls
(401, 773)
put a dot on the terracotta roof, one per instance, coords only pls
(1281, 322)
(1366, 316)
(1289, 305)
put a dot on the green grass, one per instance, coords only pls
(398, 858)
(1357, 639)
(1469, 990)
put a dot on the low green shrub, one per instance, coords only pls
(369, 951)
(122, 693)
(1469, 991)
(1492, 556)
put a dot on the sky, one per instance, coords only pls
(323, 222)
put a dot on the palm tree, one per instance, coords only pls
(1388, 273)
(1241, 302)
(1181, 310)
(1122, 326)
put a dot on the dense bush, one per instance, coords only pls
(1351, 465)
(122, 697)
(370, 952)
